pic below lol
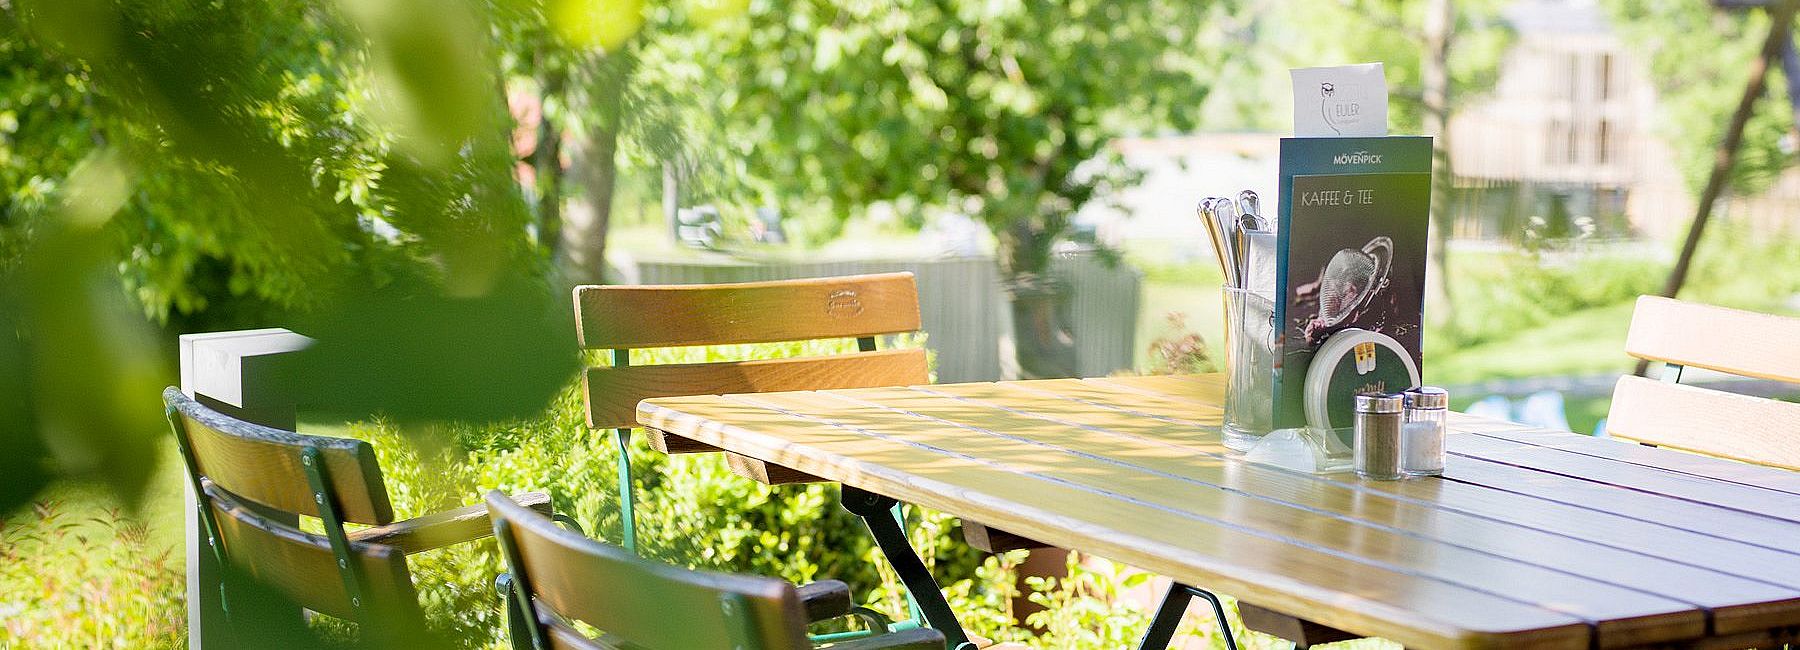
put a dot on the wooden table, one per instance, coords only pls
(1532, 538)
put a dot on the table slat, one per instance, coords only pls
(1492, 491)
(1753, 515)
(1738, 601)
(1767, 478)
(1118, 467)
(1531, 537)
(1360, 597)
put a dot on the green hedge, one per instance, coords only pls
(78, 573)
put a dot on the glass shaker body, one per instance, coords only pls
(1424, 432)
(1377, 443)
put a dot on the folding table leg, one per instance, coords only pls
(877, 513)
(627, 499)
(1168, 617)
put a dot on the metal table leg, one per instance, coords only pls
(1168, 617)
(876, 512)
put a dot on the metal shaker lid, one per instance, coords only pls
(1379, 403)
(1427, 397)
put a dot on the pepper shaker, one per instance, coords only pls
(1377, 431)
(1423, 433)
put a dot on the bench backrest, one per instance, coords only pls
(1668, 414)
(560, 576)
(254, 482)
(621, 318)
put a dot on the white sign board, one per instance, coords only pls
(1345, 100)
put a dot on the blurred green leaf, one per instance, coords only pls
(92, 364)
(601, 24)
(23, 458)
(410, 352)
(432, 78)
(81, 28)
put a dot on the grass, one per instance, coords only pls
(81, 568)
(1587, 342)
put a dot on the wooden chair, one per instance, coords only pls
(253, 482)
(1668, 414)
(557, 578)
(621, 318)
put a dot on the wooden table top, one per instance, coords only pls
(1532, 537)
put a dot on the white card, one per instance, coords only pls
(1345, 100)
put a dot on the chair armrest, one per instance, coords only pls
(919, 638)
(825, 600)
(437, 530)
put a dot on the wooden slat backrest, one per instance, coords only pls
(641, 602)
(262, 465)
(1733, 341)
(612, 393)
(1716, 423)
(301, 566)
(649, 316)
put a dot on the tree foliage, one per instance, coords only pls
(1700, 59)
(342, 164)
(991, 108)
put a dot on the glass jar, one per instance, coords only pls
(1250, 353)
(1377, 436)
(1424, 431)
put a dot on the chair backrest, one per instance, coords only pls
(621, 318)
(1717, 423)
(559, 576)
(254, 481)
(303, 567)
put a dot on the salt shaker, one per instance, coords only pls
(1377, 430)
(1423, 433)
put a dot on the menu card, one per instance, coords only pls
(1350, 250)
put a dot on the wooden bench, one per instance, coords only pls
(254, 482)
(556, 577)
(619, 319)
(1716, 423)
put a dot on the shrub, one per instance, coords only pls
(1498, 294)
(106, 583)
(691, 510)
(1179, 350)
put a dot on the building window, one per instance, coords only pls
(1603, 142)
(1573, 142)
(1572, 68)
(1606, 80)
(1556, 149)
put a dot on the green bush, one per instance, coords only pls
(78, 573)
(1739, 267)
(692, 510)
(1499, 294)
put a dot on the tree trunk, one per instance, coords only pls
(584, 230)
(585, 227)
(671, 199)
(1434, 73)
(546, 159)
(1725, 156)
(1042, 343)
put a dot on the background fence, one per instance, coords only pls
(962, 305)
